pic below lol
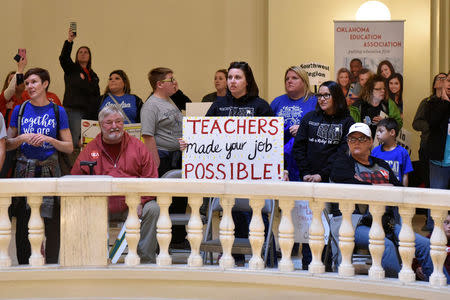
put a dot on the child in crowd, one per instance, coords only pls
(395, 155)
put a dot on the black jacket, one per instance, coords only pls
(437, 114)
(180, 100)
(79, 93)
(318, 140)
(243, 107)
(343, 169)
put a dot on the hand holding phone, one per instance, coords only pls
(22, 52)
(73, 27)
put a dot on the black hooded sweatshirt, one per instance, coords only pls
(318, 141)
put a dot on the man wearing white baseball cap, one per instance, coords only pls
(359, 167)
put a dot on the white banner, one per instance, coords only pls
(233, 148)
(370, 41)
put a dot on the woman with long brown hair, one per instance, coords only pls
(376, 104)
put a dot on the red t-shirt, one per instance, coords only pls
(88, 73)
(113, 150)
(7, 112)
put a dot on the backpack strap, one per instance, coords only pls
(56, 110)
(19, 117)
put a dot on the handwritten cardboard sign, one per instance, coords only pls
(233, 148)
(90, 129)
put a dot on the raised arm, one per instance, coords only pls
(16, 79)
(64, 59)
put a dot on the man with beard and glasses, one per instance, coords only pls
(120, 155)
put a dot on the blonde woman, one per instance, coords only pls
(292, 106)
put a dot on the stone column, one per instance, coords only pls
(226, 231)
(133, 230)
(256, 236)
(5, 232)
(407, 244)
(376, 246)
(35, 231)
(164, 231)
(286, 235)
(438, 248)
(346, 240)
(316, 239)
(195, 232)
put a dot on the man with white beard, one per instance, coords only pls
(118, 154)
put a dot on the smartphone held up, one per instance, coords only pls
(21, 53)
(73, 28)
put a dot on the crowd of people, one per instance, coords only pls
(328, 137)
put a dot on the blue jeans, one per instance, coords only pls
(390, 260)
(439, 179)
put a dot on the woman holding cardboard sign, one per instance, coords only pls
(241, 100)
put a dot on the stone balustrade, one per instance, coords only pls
(84, 225)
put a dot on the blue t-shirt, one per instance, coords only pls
(398, 159)
(128, 103)
(39, 119)
(292, 112)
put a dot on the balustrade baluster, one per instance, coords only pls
(316, 239)
(346, 240)
(407, 244)
(256, 234)
(164, 231)
(226, 231)
(5, 232)
(438, 248)
(376, 246)
(35, 231)
(133, 227)
(195, 232)
(286, 235)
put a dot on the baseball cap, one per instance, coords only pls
(360, 127)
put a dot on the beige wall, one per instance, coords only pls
(194, 37)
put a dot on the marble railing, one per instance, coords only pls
(84, 222)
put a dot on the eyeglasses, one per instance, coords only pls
(323, 96)
(442, 78)
(172, 80)
(379, 89)
(110, 122)
(361, 139)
